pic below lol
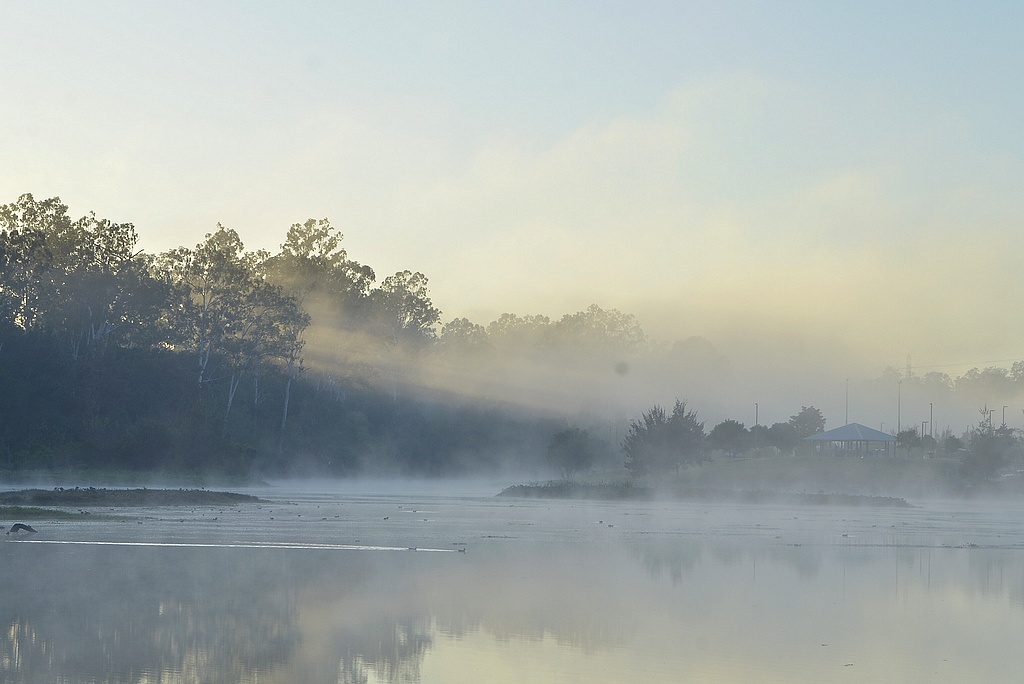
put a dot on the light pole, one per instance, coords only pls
(899, 405)
(931, 420)
(757, 433)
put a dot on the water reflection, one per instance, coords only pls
(662, 609)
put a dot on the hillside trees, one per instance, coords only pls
(222, 306)
(80, 281)
(194, 332)
(461, 336)
(595, 328)
(314, 268)
(403, 310)
(220, 303)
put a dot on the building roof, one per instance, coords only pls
(853, 432)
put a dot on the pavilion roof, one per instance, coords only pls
(853, 432)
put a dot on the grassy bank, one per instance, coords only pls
(897, 477)
(627, 491)
(799, 479)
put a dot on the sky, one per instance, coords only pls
(833, 183)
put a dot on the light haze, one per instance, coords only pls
(825, 187)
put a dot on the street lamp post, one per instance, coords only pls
(757, 433)
(899, 406)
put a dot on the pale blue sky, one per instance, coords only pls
(844, 173)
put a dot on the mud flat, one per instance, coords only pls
(144, 497)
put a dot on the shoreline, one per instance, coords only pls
(121, 498)
(628, 491)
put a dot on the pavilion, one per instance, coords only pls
(854, 438)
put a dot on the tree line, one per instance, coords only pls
(197, 358)
(663, 442)
(215, 357)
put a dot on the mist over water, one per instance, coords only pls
(638, 227)
(317, 584)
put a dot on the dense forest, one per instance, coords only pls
(215, 359)
(219, 359)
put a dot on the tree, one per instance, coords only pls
(292, 324)
(571, 451)
(26, 258)
(222, 305)
(808, 422)
(987, 452)
(403, 308)
(660, 443)
(597, 328)
(730, 436)
(952, 444)
(78, 281)
(518, 334)
(759, 436)
(986, 382)
(783, 436)
(908, 439)
(1017, 372)
(314, 268)
(463, 335)
(988, 449)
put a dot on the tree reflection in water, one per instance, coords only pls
(133, 614)
(110, 614)
(97, 614)
(392, 650)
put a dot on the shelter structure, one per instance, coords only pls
(854, 439)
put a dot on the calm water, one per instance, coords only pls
(323, 587)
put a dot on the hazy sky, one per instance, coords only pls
(841, 178)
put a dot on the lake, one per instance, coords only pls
(334, 584)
